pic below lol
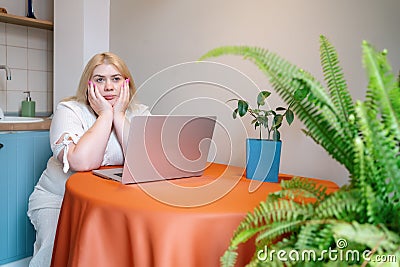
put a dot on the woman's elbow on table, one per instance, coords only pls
(83, 162)
(83, 166)
(80, 162)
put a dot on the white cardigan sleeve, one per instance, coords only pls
(67, 122)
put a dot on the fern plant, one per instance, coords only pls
(363, 136)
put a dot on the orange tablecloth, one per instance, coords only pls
(106, 224)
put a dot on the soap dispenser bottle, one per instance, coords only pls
(28, 106)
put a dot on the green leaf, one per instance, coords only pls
(278, 119)
(234, 114)
(263, 121)
(242, 107)
(261, 97)
(289, 116)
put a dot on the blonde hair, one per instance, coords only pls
(96, 60)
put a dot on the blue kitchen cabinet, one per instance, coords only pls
(23, 157)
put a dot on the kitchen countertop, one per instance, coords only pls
(33, 126)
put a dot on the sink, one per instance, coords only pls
(15, 119)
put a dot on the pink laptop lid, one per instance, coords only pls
(164, 147)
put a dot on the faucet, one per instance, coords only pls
(8, 75)
(8, 71)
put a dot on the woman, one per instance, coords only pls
(86, 132)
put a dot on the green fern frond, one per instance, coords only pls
(371, 207)
(375, 237)
(278, 229)
(379, 145)
(273, 210)
(379, 119)
(301, 188)
(342, 204)
(306, 236)
(323, 133)
(367, 172)
(390, 215)
(359, 160)
(338, 91)
(324, 237)
(229, 258)
(368, 199)
(270, 213)
(285, 210)
(245, 234)
(382, 88)
(314, 234)
(334, 78)
(394, 96)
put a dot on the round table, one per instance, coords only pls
(104, 223)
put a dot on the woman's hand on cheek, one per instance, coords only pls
(122, 102)
(98, 103)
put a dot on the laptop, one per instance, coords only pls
(162, 147)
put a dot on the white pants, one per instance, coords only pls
(45, 223)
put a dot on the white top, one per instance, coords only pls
(74, 119)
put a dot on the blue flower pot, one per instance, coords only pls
(262, 159)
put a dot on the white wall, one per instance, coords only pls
(81, 29)
(153, 35)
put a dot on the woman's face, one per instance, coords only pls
(108, 81)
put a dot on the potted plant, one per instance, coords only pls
(263, 154)
(364, 136)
